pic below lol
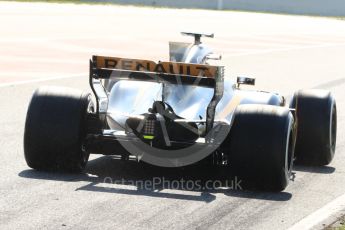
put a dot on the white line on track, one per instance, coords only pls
(42, 79)
(321, 214)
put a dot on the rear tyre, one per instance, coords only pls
(316, 114)
(261, 146)
(55, 129)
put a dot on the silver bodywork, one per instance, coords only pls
(130, 98)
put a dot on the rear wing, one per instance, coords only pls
(116, 68)
(145, 70)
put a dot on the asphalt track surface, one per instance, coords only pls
(49, 44)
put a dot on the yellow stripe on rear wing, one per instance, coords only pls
(178, 68)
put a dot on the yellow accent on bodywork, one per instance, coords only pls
(148, 137)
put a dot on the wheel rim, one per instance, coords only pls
(333, 127)
(290, 151)
(90, 108)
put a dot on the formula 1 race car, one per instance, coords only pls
(179, 113)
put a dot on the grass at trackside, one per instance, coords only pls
(338, 225)
(93, 2)
(56, 1)
(66, 1)
(84, 2)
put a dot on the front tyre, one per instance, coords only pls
(316, 113)
(55, 128)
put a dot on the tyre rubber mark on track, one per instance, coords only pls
(267, 51)
(331, 84)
